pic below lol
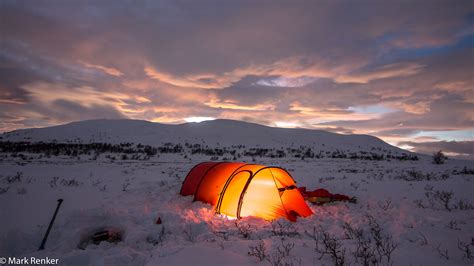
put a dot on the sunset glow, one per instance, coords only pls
(198, 119)
(405, 78)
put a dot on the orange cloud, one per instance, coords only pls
(108, 70)
(386, 71)
(289, 67)
(214, 102)
(463, 88)
(330, 114)
(455, 86)
(421, 40)
(9, 98)
(12, 101)
(418, 108)
(202, 81)
(167, 119)
(47, 93)
(164, 109)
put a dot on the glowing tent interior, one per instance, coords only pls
(238, 190)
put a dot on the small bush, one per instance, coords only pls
(444, 197)
(326, 244)
(466, 171)
(259, 251)
(453, 224)
(439, 157)
(4, 189)
(365, 253)
(243, 229)
(281, 256)
(15, 178)
(351, 232)
(386, 205)
(415, 175)
(467, 249)
(441, 197)
(384, 244)
(53, 183)
(125, 186)
(463, 204)
(443, 253)
(372, 248)
(69, 183)
(283, 228)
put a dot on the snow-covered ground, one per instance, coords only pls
(400, 207)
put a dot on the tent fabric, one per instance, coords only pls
(238, 190)
(194, 177)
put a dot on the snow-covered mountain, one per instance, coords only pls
(222, 132)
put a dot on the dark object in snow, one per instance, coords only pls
(321, 196)
(110, 235)
(43, 243)
(158, 221)
(439, 157)
(107, 235)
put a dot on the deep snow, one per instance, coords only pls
(128, 196)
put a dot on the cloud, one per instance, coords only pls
(293, 71)
(53, 103)
(316, 65)
(286, 82)
(417, 107)
(68, 110)
(47, 93)
(201, 81)
(461, 149)
(10, 96)
(386, 71)
(453, 86)
(331, 113)
(339, 130)
(214, 102)
(108, 70)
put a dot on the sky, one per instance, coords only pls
(402, 71)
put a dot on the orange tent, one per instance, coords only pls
(240, 190)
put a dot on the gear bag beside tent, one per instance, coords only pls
(239, 190)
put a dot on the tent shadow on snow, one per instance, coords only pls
(238, 190)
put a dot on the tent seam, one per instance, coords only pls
(274, 181)
(186, 178)
(229, 179)
(202, 178)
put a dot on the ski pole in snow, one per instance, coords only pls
(50, 225)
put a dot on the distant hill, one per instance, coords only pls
(215, 132)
